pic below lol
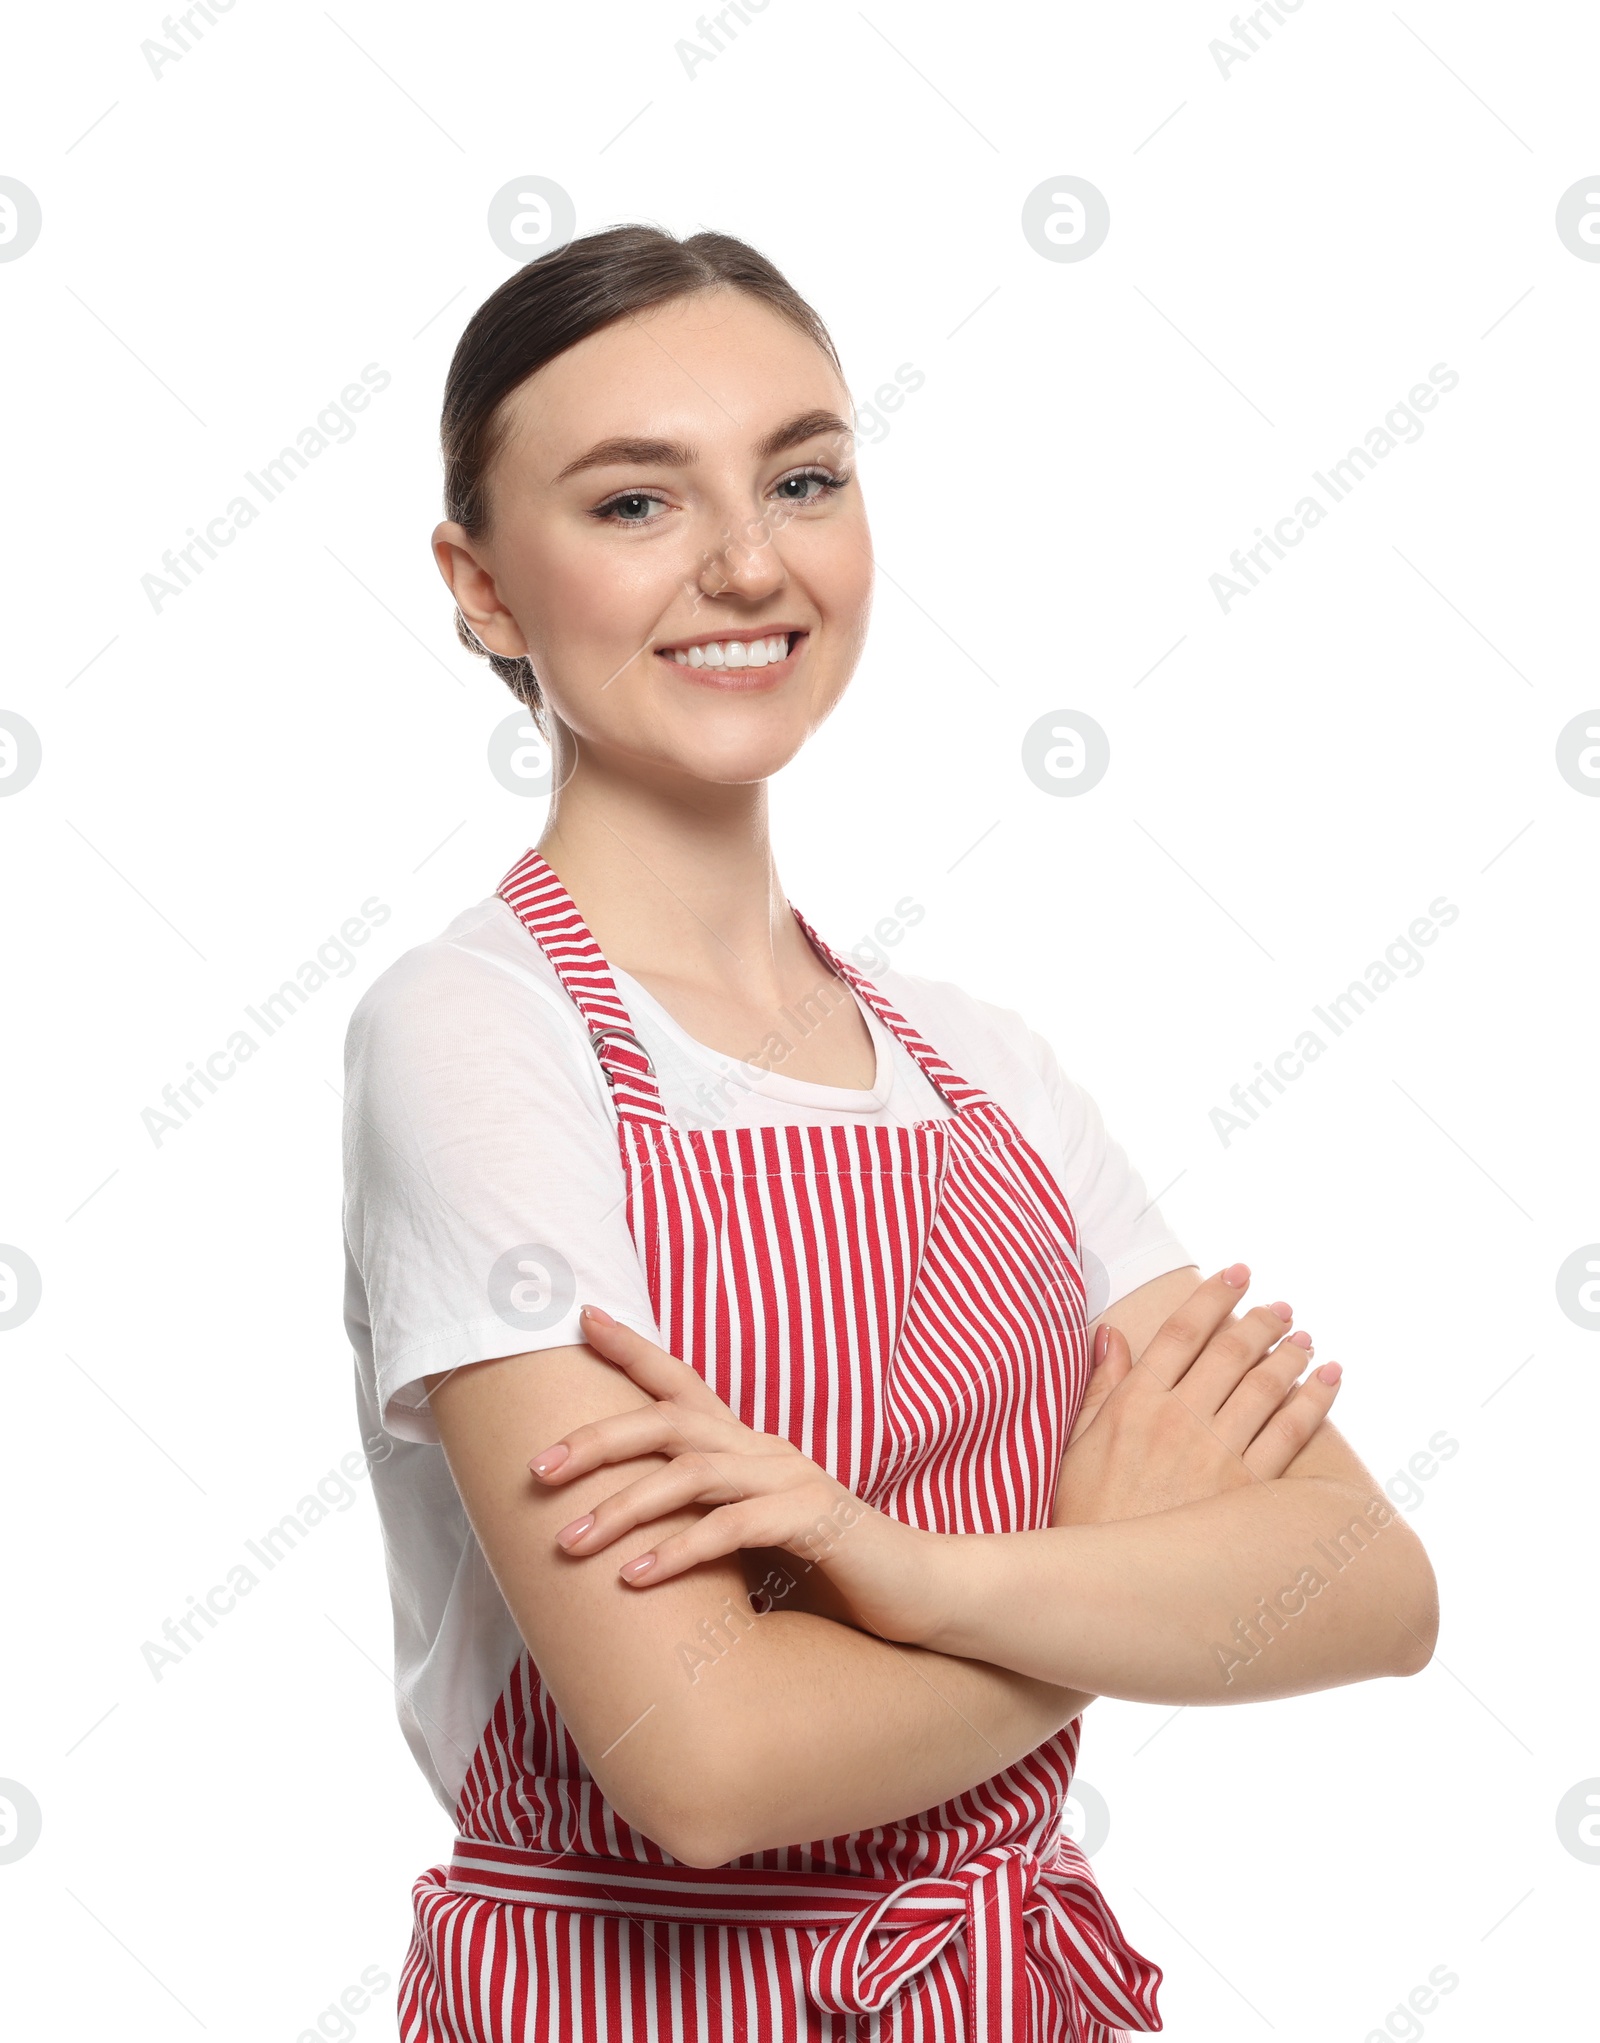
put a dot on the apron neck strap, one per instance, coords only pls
(944, 1079)
(548, 912)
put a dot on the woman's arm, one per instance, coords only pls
(712, 1730)
(1193, 1569)
(1138, 1316)
(1277, 1589)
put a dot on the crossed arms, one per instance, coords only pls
(1209, 1544)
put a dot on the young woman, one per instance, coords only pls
(794, 1410)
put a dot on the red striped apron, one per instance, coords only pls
(906, 1305)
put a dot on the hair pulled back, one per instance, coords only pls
(550, 305)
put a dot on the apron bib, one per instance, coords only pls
(906, 1305)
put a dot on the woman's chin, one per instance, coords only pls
(722, 743)
(736, 758)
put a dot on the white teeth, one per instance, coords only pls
(736, 652)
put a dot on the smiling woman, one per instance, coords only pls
(795, 1349)
(541, 370)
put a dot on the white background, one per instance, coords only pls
(1292, 781)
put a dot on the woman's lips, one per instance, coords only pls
(742, 680)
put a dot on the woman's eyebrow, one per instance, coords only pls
(625, 452)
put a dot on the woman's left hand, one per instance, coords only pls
(764, 1491)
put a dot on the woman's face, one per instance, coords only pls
(683, 478)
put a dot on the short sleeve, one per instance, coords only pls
(484, 1194)
(1122, 1237)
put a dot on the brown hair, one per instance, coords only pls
(550, 305)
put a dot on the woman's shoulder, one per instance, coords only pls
(483, 955)
(481, 984)
(467, 1058)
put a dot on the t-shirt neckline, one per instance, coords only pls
(756, 1077)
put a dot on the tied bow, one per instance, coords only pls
(858, 1967)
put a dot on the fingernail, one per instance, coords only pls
(1102, 1341)
(551, 1459)
(600, 1318)
(1330, 1372)
(1285, 1312)
(1302, 1339)
(632, 1570)
(575, 1530)
(1238, 1276)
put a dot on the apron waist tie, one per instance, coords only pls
(877, 1931)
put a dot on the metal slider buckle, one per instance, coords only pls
(615, 1029)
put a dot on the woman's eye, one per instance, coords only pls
(629, 509)
(826, 483)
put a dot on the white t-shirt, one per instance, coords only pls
(478, 1121)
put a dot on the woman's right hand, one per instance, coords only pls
(1211, 1404)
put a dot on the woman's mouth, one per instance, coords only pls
(744, 660)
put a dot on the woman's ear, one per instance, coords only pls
(472, 585)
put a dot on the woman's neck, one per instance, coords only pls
(679, 889)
